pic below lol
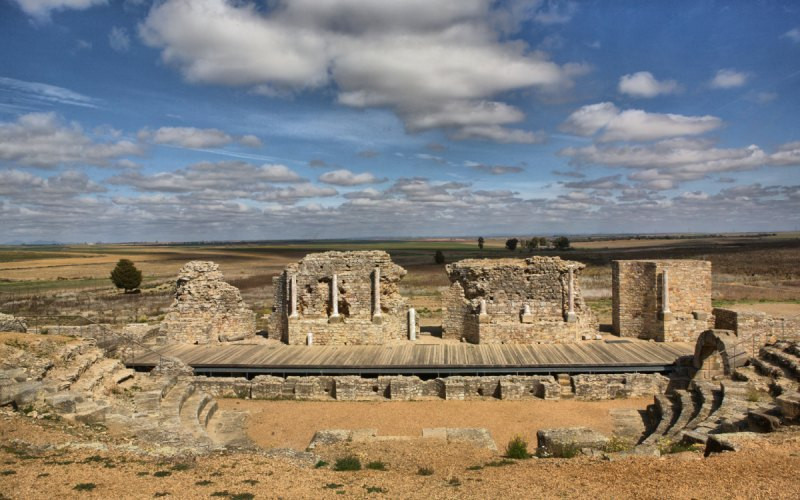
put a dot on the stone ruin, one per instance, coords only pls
(9, 323)
(535, 300)
(344, 298)
(206, 308)
(662, 300)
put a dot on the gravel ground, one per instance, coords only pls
(764, 470)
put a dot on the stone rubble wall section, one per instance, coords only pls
(507, 286)
(409, 388)
(756, 329)
(9, 323)
(637, 295)
(206, 309)
(356, 326)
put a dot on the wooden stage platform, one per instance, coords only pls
(601, 356)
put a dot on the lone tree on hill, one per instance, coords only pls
(561, 243)
(480, 242)
(511, 244)
(438, 257)
(126, 276)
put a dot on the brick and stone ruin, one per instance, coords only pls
(346, 298)
(662, 300)
(206, 308)
(524, 301)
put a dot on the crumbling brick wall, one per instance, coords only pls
(756, 329)
(507, 286)
(206, 309)
(357, 323)
(637, 299)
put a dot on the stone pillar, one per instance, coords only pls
(376, 295)
(412, 324)
(666, 314)
(571, 316)
(334, 318)
(483, 307)
(309, 338)
(527, 317)
(293, 296)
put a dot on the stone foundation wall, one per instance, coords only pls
(637, 299)
(507, 286)
(403, 388)
(756, 329)
(357, 323)
(206, 309)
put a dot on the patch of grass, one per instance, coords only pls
(500, 463)
(320, 464)
(376, 465)
(242, 496)
(160, 494)
(348, 463)
(424, 471)
(617, 444)
(475, 467)
(517, 448)
(162, 473)
(754, 395)
(333, 486)
(84, 487)
(251, 482)
(454, 481)
(181, 467)
(223, 493)
(204, 482)
(7, 472)
(667, 446)
(375, 489)
(142, 473)
(43, 474)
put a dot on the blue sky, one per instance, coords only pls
(206, 119)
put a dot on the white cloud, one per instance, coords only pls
(41, 9)
(728, 79)
(634, 124)
(250, 141)
(494, 169)
(500, 134)
(119, 39)
(187, 137)
(44, 140)
(787, 154)
(344, 177)
(793, 35)
(556, 12)
(644, 84)
(436, 63)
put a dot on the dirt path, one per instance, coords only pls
(293, 423)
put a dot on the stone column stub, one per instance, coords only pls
(571, 316)
(376, 296)
(334, 317)
(293, 296)
(666, 313)
(412, 324)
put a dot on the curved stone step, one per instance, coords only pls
(709, 399)
(174, 400)
(190, 414)
(227, 428)
(207, 413)
(688, 409)
(767, 368)
(73, 369)
(93, 377)
(665, 408)
(789, 363)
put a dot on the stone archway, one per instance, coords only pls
(718, 353)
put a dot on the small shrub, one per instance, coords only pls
(7, 472)
(667, 446)
(161, 494)
(454, 481)
(84, 487)
(204, 482)
(438, 257)
(223, 493)
(376, 465)
(332, 486)
(242, 496)
(320, 464)
(475, 467)
(500, 463)
(754, 395)
(251, 482)
(180, 467)
(517, 448)
(424, 471)
(142, 473)
(348, 463)
(162, 473)
(375, 489)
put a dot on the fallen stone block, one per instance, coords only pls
(64, 402)
(479, 437)
(762, 422)
(736, 441)
(327, 437)
(789, 405)
(558, 442)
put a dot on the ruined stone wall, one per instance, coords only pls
(357, 322)
(756, 329)
(206, 309)
(405, 388)
(637, 299)
(507, 286)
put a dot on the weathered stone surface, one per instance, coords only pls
(626, 385)
(357, 321)
(637, 299)
(789, 405)
(579, 437)
(206, 308)
(479, 437)
(9, 323)
(735, 441)
(168, 365)
(756, 329)
(506, 287)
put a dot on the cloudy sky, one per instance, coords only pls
(232, 119)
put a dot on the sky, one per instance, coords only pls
(190, 120)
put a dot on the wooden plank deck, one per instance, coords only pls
(582, 356)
